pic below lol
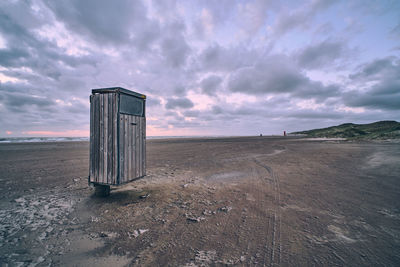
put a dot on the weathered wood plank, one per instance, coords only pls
(105, 137)
(122, 149)
(137, 151)
(126, 143)
(129, 145)
(144, 146)
(134, 129)
(91, 140)
(96, 138)
(133, 149)
(115, 156)
(134, 172)
(134, 152)
(101, 130)
(109, 138)
(126, 151)
(140, 147)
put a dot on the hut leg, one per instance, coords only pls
(101, 190)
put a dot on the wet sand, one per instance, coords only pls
(226, 201)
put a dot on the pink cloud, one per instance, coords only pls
(70, 133)
(9, 132)
(171, 131)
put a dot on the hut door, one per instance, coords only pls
(131, 147)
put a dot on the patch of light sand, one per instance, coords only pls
(339, 233)
(381, 159)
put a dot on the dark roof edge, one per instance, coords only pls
(118, 90)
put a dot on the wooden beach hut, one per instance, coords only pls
(117, 137)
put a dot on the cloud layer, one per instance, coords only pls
(208, 68)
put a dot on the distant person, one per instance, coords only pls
(260, 134)
(284, 133)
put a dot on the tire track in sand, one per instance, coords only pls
(255, 247)
(275, 249)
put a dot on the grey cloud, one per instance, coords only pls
(396, 31)
(210, 84)
(300, 18)
(378, 69)
(253, 15)
(269, 78)
(321, 55)
(191, 113)
(22, 103)
(165, 9)
(173, 103)
(146, 36)
(324, 29)
(386, 102)
(216, 110)
(24, 49)
(179, 90)
(200, 29)
(13, 57)
(152, 102)
(175, 51)
(22, 94)
(218, 58)
(220, 10)
(319, 5)
(313, 114)
(384, 95)
(171, 113)
(386, 87)
(277, 74)
(185, 124)
(103, 21)
(34, 107)
(174, 46)
(77, 108)
(277, 108)
(385, 91)
(290, 22)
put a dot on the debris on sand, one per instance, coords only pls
(137, 233)
(205, 202)
(108, 234)
(142, 231)
(226, 209)
(145, 195)
(102, 234)
(196, 219)
(192, 218)
(208, 212)
(205, 257)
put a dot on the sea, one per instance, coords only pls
(74, 139)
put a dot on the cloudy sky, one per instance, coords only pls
(207, 67)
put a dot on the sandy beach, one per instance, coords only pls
(248, 201)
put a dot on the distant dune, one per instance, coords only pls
(376, 130)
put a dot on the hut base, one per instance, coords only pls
(101, 190)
